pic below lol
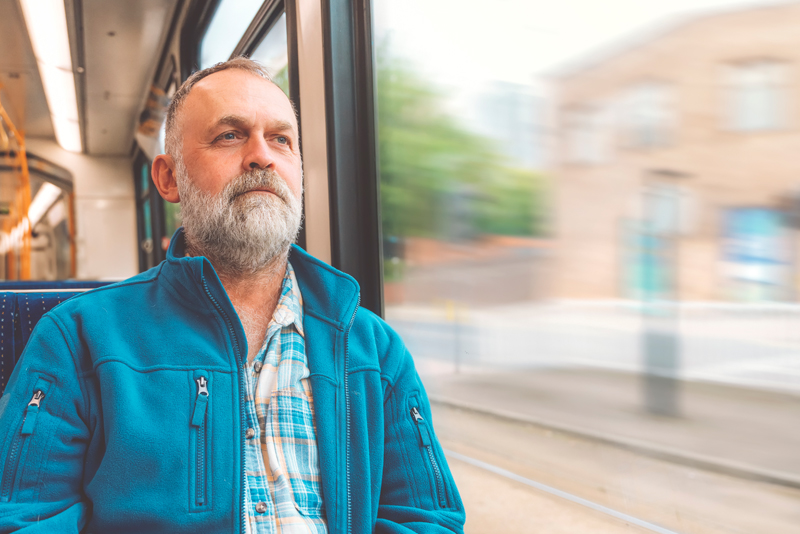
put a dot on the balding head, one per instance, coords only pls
(173, 133)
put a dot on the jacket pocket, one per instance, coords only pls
(22, 439)
(426, 444)
(199, 444)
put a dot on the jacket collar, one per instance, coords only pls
(328, 294)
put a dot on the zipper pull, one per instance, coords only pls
(201, 403)
(416, 415)
(422, 428)
(38, 395)
(31, 413)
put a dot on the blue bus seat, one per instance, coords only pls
(8, 308)
(22, 304)
(33, 285)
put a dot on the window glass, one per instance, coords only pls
(227, 26)
(144, 180)
(756, 95)
(649, 112)
(172, 218)
(588, 134)
(272, 52)
(146, 256)
(148, 224)
(589, 267)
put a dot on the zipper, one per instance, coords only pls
(17, 445)
(425, 441)
(199, 421)
(239, 361)
(347, 414)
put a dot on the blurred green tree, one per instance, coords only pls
(434, 170)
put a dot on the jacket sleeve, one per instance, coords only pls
(418, 493)
(44, 437)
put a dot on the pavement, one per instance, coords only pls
(740, 431)
(755, 346)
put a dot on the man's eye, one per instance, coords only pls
(282, 139)
(227, 136)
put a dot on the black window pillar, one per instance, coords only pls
(352, 162)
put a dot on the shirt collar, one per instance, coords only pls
(290, 305)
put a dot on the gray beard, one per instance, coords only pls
(240, 234)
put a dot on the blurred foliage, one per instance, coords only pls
(281, 79)
(438, 179)
(172, 217)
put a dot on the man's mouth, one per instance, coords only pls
(258, 190)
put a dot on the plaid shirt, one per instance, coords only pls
(283, 493)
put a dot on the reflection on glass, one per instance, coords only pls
(272, 52)
(229, 23)
(591, 222)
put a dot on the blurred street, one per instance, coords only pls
(677, 497)
(734, 430)
(555, 393)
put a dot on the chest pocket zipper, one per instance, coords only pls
(425, 441)
(21, 441)
(200, 432)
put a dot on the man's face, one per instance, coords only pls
(233, 122)
(239, 179)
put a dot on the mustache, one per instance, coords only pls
(257, 179)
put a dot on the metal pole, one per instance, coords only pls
(660, 343)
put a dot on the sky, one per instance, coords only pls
(516, 40)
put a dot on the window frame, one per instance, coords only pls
(353, 180)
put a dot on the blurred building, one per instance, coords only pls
(678, 162)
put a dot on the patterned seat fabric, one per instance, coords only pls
(8, 307)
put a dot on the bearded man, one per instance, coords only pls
(238, 386)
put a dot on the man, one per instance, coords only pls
(238, 386)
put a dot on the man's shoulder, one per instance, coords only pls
(371, 334)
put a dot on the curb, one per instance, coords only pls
(700, 461)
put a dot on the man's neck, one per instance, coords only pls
(255, 297)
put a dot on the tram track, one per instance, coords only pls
(652, 450)
(531, 478)
(558, 493)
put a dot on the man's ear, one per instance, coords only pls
(164, 178)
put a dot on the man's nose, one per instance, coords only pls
(258, 155)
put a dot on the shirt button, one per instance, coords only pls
(249, 433)
(261, 507)
(258, 366)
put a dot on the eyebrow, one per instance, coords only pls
(283, 126)
(232, 120)
(238, 121)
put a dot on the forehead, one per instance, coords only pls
(235, 92)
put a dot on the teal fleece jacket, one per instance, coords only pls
(104, 427)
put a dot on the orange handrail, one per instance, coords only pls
(23, 197)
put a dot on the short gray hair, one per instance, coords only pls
(171, 141)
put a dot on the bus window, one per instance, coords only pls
(227, 26)
(272, 52)
(590, 248)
